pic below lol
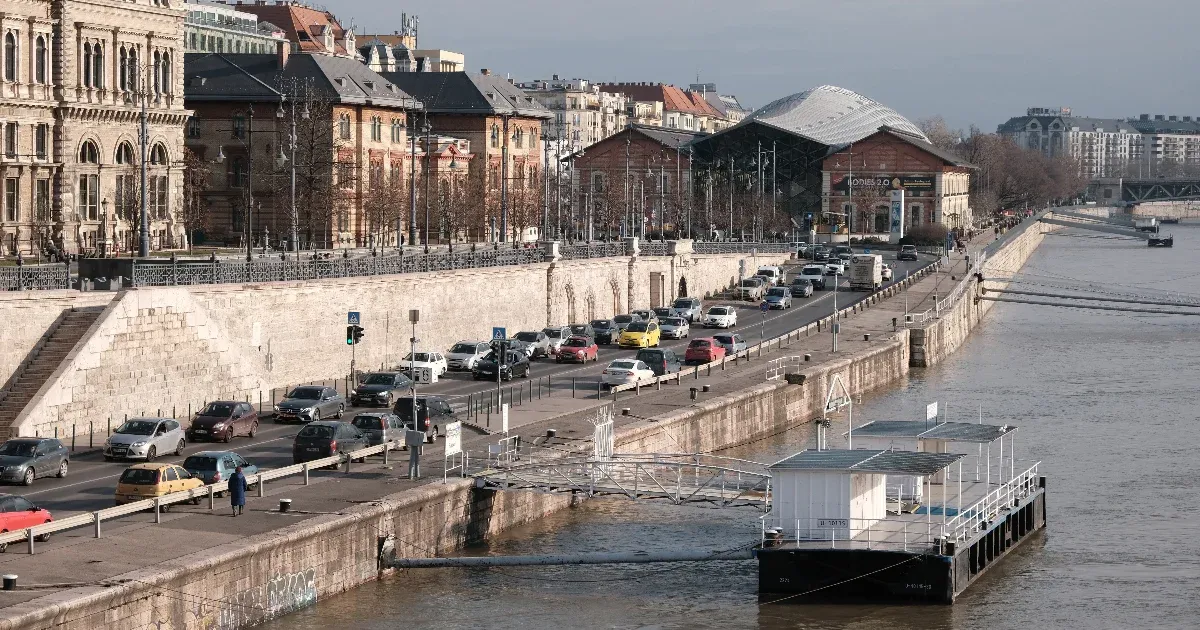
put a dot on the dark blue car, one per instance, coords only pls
(217, 466)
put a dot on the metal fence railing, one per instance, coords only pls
(654, 248)
(577, 251)
(35, 277)
(733, 247)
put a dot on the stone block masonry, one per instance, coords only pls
(170, 347)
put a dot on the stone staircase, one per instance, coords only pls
(42, 362)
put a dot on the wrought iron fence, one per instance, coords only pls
(710, 247)
(578, 251)
(35, 277)
(186, 273)
(654, 248)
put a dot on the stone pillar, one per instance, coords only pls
(631, 246)
(550, 251)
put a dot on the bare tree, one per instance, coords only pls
(192, 211)
(938, 133)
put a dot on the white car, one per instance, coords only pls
(145, 438)
(887, 271)
(720, 317)
(815, 274)
(835, 268)
(622, 371)
(465, 354)
(435, 361)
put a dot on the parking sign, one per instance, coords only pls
(498, 332)
(353, 318)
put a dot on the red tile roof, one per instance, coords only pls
(673, 99)
(295, 19)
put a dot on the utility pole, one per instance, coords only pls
(628, 185)
(834, 323)
(144, 240)
(414, 316)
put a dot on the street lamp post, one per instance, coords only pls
(295, 217)
(144, 140)
(504, 183)
(412, 181)
(428, 156)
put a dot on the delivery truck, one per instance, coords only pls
(866, 272)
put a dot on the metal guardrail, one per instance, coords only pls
(976, 516)
(35, 277)
(579, 251)
(654, 248)
(733, 247)
(194, 495)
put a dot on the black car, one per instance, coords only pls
(907, 252)
(324, 438)
(25, 459)
(661, 360)
(516, 365)
(380, 389)
(433, 414)
(820, 254)
(583, 330)
(606, 330)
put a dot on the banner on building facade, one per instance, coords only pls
(897, 216)
(841, 183)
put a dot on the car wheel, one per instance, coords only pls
(29, 476)
(43, 537)
(150, 455)
(62, 469)
(195, 500)
(183, 443)
(228, 436)
(341, 410)
(253, 429)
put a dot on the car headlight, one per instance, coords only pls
(309, 409)
(139, 443)
(108, 441)
(218, 426)
(275, 407)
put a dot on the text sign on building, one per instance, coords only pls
(453, 438)
(897, 216)
(841, 184)
(832, 523)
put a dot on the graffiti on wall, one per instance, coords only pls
(280, 596)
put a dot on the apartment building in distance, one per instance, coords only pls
(219, 27)
(729, 106)
(400, 52)
(682, 110)
(1103, 146)
(310, 30)
(583, 114)
(1168, 139)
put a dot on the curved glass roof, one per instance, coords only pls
(832, 115)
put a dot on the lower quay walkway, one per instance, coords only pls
(132, 546)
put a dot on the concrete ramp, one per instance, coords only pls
(1096, 227)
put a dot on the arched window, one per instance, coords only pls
(495, 137)
(87, 64)
(39, 61)
(157, 63)
(125, 154)
(122, 75)
(10, 57)
(166, 73)
(88, 154)
(131, 77)
(344, 126)
(376, 128)
(519, 137)
(97, 66)
(158, 155)
(396, 127)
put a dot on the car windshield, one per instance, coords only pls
(699, 343)
(527, 336)
(576, 342)
(318, 431)
(636, 327)
(622, 365)
(719, 310)
(683, 304)
(553, 333)
(379, 379)
(307, 393)
(463, 348)
(368, 422)
(812, 271)
(218, 409)
(138, 427)
(673, 321)
(908, 248)
(801, 281)
(724, 339)
(623, 319)
(579, 329)
(601, 323)
(650, 355)
(18, 449)
(200, 462)
(780, 291)
(750, 282)
(139, 477)
(419, 357)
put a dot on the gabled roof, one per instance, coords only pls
(867, 461)
(669, 138)
(253, 78)
(943, 155)
(294, 19)
(673, 98)
(464, 93)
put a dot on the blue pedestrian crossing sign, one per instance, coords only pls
(866, 251)
(353, 318)
(498, 332)
(764, 307)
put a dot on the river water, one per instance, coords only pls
(1107, 401)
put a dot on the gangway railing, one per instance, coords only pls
(974, 517)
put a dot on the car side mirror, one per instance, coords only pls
(33, 508)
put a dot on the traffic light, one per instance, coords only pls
(354, 335)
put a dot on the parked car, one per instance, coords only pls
(583, 330)
(145, 438)
(815, 274)
(646, 314)
(732, 343)
(17, 513)
(907, 252)
(704, 350)
(778, 298)
(222, 420)
(888, 272)
(555, 336)
(751, 289)
(662, 311)
(640, 335)
(325, 438)
(216, 466)
(310, 402)
(537, 344)
(835, 267)
(720, 317)
(435, 361)
(675, 328)
(516, 364)
(843, 251)
(147, 481)
(661, 360)
(464, 354)
(376, 389)
(379, 427)
(820, 254)
(688, 308)
(24, 459)
(622, 371)
(433, 414)
(578, 349)
(801, 287)
(607, 330)
(623, 321)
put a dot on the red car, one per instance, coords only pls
(704, 350)
(578, 350)
(17, 513)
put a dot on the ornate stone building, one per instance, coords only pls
(74, 75)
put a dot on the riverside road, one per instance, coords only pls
(92, 481)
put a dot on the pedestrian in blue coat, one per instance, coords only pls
(237, 491)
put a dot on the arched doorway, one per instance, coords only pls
(682, 287)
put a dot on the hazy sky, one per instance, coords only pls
(972, 61)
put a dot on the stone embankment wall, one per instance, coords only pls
(171, 347)
(25, 316)
(1167, 209)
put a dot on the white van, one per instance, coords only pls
(866, 272)
(773, 275)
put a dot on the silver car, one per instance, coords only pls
(310, 402)
(464, 354)
(688, 308)
(145, 438)
(674, 328)
(731, 342)
(555, 336)
(537, 343)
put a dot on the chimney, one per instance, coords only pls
(282, 50)
(555, 78)
(512, 81)
(485, 72)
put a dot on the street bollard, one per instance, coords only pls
(348, 459)
(261, 485)
(29, 536)
(658, 384)
(709, 373)
(387, 446)
(304, 467)
(110, 425)
(158, 510)
(212, 499)
(96, 518)
(72, 437)
(572, 387)
(598, 392)
(91, 434)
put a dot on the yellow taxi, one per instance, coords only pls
(640, 335)
(147, 481)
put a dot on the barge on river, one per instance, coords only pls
(880, 524)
